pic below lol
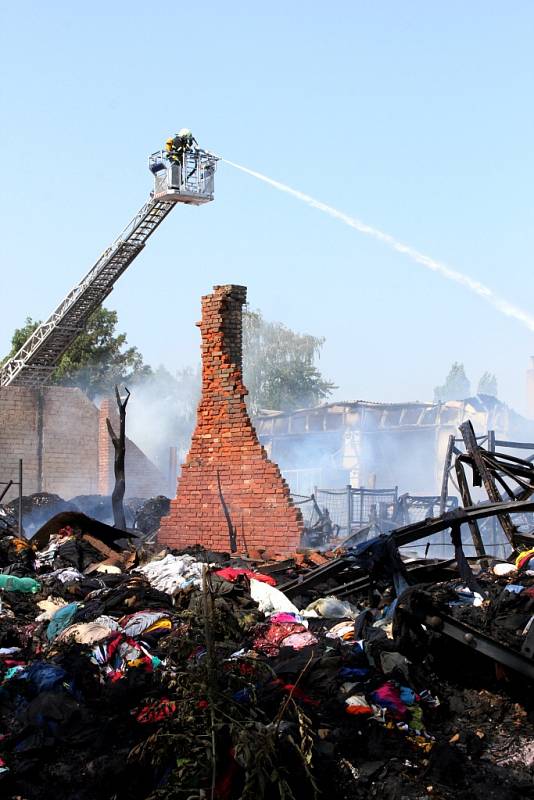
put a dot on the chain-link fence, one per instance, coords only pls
(349, 509)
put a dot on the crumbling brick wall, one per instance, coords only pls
(143, 478)
(225, 442)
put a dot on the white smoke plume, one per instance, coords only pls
(500, 303)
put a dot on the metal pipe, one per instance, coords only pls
(349, 509)
(9, 484)
(20, 496)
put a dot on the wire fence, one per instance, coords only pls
(351, 509)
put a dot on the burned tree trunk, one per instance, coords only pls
(119, 443)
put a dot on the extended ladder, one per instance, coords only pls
(40, 354)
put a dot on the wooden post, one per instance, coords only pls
(485, 476)
(467, 502)
(119, 443)
(445, 479)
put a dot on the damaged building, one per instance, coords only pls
(385, 444)
(229, 491)
(212, 655)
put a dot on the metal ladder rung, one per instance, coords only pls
(66, 322)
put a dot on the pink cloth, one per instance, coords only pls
(388, 696)
(271, 635)
(299, 640)
(283, 616)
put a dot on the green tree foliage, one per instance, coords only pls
(488, 384)
(97, 359)
(279, 366)
(456, 387)
(21, 335)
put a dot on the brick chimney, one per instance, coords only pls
(225, 441)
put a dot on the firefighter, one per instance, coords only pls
(178, 145)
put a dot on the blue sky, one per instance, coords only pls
(414, 116)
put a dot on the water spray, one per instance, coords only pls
(500, 303)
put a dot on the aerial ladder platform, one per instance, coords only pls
(191, 181)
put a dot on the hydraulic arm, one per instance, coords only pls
(190, 182)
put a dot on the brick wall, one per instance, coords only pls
(18, 437)
(59, 458)
(225, 440)
(69, 442)
(143, 478)
(65, 446)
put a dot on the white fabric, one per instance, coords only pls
(172, 573)
(270, 599)
(340, 630)
(49, 608)
(109, 622)
(504, 569)
(66, 575)
(84, 633)
(330, 607)
(48, 553)
(109, 569)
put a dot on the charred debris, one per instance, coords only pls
(132, 670)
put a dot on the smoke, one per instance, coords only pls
(161, 413)
(487, 294)
(330, 459)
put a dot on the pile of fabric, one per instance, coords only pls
(174, 674)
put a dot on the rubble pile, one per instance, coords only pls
(148, 514)
(141, 514)
(38, 508)
(171, 674)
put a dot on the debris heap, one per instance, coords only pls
(154, 675)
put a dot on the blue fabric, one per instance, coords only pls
(407, 695)
(42, 675)
(61, 620)
(389, 611)
(353, 672)
(242, 696)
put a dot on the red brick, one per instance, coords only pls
(225, 440)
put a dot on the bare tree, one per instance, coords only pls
(119, 443)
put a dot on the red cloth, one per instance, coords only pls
(293, 689)
(271, 636)
(388, 696)
(232, 574)
(225, 782)
(156, 711)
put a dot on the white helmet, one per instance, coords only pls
(184, 133)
